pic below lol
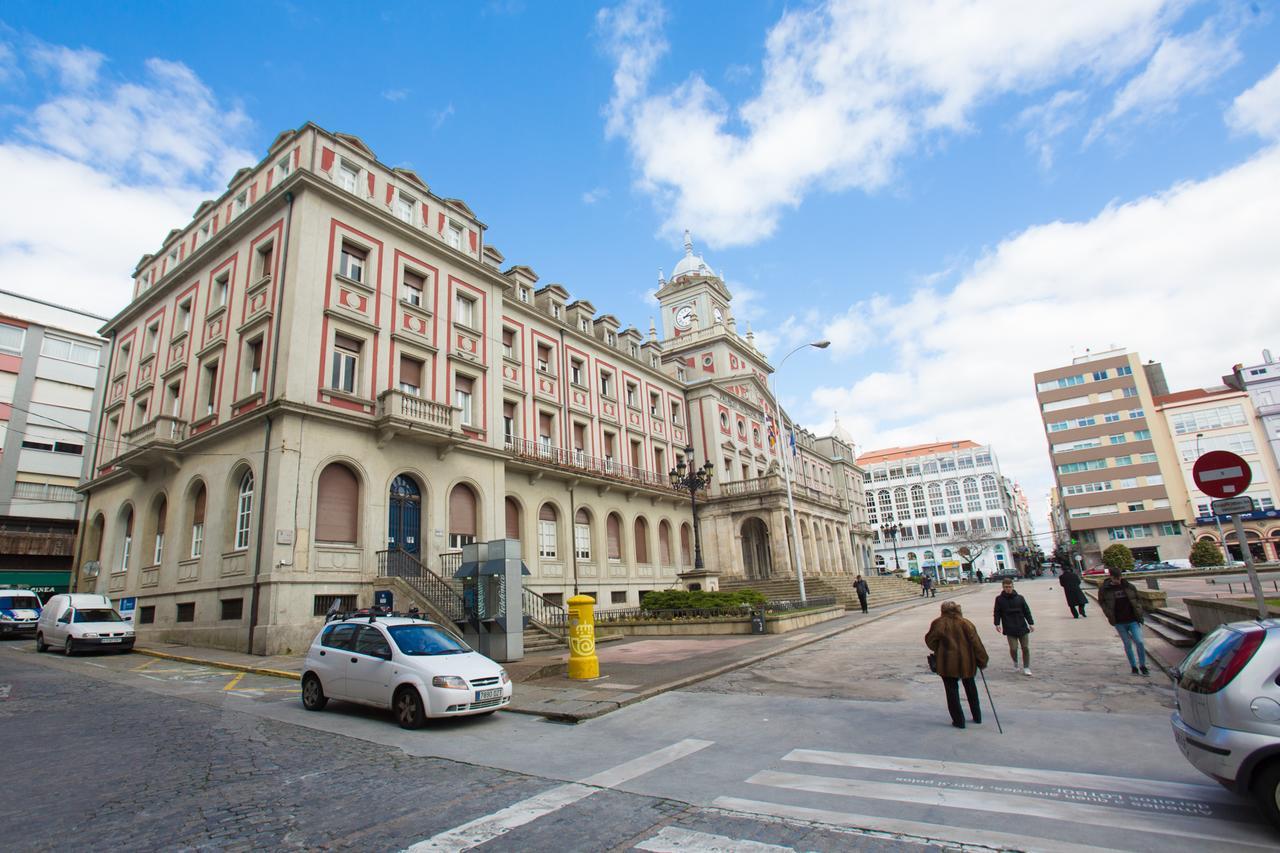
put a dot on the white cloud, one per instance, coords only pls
(76, 69)
(394, 95)
(439, 117)
(1257, 110)
(1046, 122)
(1188, 277)
(846, 89)
(1182, 64)
(594, 195)
(104, 169)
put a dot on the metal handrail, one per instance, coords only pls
(545, 613)
(398, 563)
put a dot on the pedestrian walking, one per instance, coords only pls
(1076, 599)
(959, 655)
(1123, 608)
(933, 587)
(924, 586)
(978, 575)
(1013, 619)
(861, 588)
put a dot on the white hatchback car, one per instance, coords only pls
(414, 667)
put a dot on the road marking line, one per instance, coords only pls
(916, 828)
(143, 666)
(1088, 815)
(231, 685)
(673, 839)
(489, 827)
(989, 772)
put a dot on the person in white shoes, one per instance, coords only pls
(1013, 619)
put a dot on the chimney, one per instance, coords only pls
(1266, 356)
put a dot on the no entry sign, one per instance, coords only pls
(1221, 474)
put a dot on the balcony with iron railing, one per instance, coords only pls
(400, 413)
(535, 455)
(155, 443)
(774, 484)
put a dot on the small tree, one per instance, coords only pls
(1206, 553)
(1118, 556)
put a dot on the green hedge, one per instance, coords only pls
(700, 599)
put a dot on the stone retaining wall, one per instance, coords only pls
(779, 623)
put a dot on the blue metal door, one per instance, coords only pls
(404, 521)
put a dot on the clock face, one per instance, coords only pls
(684, 316)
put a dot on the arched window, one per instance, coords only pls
(126, 542)
(196, 545)
(664, 543)
(990, 494)
(93, 547)
(971, 500)
(642, 541)
(935, 500)
(157, 553)
(244, 511)
(917, 502)
(512, 509)
(548, 532)
(912, 562)
(886, 509)
(462, 516)
(582, 534)
(613, 533)
(872, 515)
(954, 506)
(946, 553)
(337, 505)
(900, 507)
(686, 548)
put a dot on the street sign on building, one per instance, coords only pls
(1232, 506)
(1221, 474)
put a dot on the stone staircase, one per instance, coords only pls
(538, 641)
(1173, 627)
(884, 589)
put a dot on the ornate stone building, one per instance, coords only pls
(329, 366)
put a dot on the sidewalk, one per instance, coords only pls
(632, 669)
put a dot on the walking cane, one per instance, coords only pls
(991, 701)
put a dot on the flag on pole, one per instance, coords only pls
(773, 432)
(794, 451)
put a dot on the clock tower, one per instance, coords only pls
(693, 298)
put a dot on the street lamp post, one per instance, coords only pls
(892, 531)
(693, 482)
(797, 553)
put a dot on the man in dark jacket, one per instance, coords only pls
(1076, 599)
(1013, 619)
(1123, 609)
(861, 588)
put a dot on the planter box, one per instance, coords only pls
(1208, 613)
(779, 623)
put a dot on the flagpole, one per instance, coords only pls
(797, 549)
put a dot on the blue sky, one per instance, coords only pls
(956, 194)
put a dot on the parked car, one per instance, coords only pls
(416, 668)
(1227, 721)
(19, 612)
(1095, 570)
(81, 621)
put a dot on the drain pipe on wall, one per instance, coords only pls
(566, 430)
(93, 467)
(266, 433)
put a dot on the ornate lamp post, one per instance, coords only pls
(892, 531)
(693, 482)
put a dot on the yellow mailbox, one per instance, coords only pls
(583, 662)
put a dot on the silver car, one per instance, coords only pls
(1227, 721)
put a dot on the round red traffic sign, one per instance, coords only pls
(1221, 474)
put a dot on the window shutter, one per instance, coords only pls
(464, 384)
(513, 519)
(579, 436)
(197, 515)
(337, 504)
(613, 529)
(547, 513)
(544, 424)
(160, 514)
(128, 524)
(462, 511)
(685, 550)
(581, 517)
(326, 159)
(343, 342)
(411, 371)
(664, 543)
(412, 279)
(642, 541)
(371, 179)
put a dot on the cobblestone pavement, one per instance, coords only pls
(114, 765)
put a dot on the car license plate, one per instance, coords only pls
(485, 695)
(113, 640)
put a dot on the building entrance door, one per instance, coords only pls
(756, 562)
(404, 521)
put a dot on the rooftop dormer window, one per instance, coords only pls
(404, 207)
(454, 236)
(239, 205)
(282, 169)
(348, 176)
(524, 295)
(555, 310)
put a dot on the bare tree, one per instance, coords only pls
(972, 544)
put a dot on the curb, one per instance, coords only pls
(712, 673)
(238, 667)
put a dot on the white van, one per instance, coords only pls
(79, 621)
(19, 610)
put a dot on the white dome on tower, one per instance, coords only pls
(691, 264)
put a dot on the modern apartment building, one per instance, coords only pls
(50, 367)
(1262, 381)
(1114, 465)
(1224, 418)
(329, 367)
(939, 509)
